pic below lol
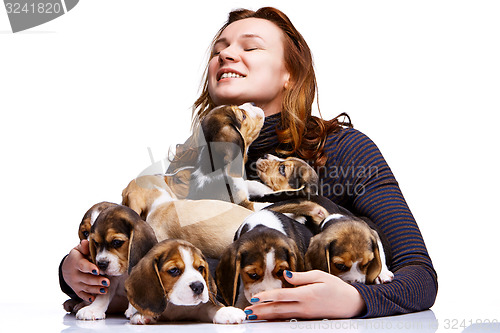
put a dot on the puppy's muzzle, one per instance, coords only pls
(197, 287)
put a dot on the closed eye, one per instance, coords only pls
(342, 267)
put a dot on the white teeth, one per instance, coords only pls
(230, 75)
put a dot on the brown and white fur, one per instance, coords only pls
(347, 246)
(228, 131)
(208, 224)
(265, 245)
(291, 173)
(118, 239)
(172, 282)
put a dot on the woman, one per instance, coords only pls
(260, 57)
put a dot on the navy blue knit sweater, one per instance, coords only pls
(357, 177)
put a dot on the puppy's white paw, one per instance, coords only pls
(140, 319)
(130, 311)
(385, 276)
(229, 315)
(90, 313)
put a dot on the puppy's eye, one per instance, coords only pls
(342, 267)
(96, 244)
(279, 273)
(253, 276)
(282, 170)
(201, 269)
(244, 116)
(86, 234)
(174, 271)
(117, 243)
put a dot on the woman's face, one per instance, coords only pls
(248, 65)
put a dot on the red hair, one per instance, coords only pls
(302, 133)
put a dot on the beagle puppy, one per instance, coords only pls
(90, 217)
(290, 174)
(266, 244)
(347, 246)
(118, 239)
(172, 283)
(208, 224)
(228, 131)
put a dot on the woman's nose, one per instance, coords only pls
(228, 54)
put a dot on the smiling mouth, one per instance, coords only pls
(230, 75)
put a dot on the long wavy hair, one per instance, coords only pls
(300, 133)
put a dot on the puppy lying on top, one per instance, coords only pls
(173, 282)
(219, 172)
(266, 244)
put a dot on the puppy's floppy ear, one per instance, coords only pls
(296, 259)
(318, 253)
(212, 287)
(227, 274)
(375, 266)
(142, 239)
(144, 288)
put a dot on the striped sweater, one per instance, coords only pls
(357, 177)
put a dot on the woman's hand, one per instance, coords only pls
(82, 275)
(318, 295)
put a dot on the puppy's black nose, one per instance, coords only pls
(103, 265)
(197, 287)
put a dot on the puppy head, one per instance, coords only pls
(259, 259)
(230, 130)
(287, 174)
(178, 181)
(118, 239)
(173, 271)
(90, 217)
(347, 249)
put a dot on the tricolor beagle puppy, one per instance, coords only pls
(266, 244)
(172, 282)
(118, 239)
(208, 224)
(219, 171)
(287, 174)
(347, 246)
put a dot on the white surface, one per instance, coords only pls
(84, 96)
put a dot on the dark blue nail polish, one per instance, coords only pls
(252, 317)
(104, 283)
(254, 300)
(102, 290)
(90, 300)
(247, 312)
(288, 274)
(94, 272)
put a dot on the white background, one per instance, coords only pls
(84, 96)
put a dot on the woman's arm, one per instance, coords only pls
(374, 193)
(358, 178)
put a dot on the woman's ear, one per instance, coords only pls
(375, 266)
(144, 287)
(227, 274)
